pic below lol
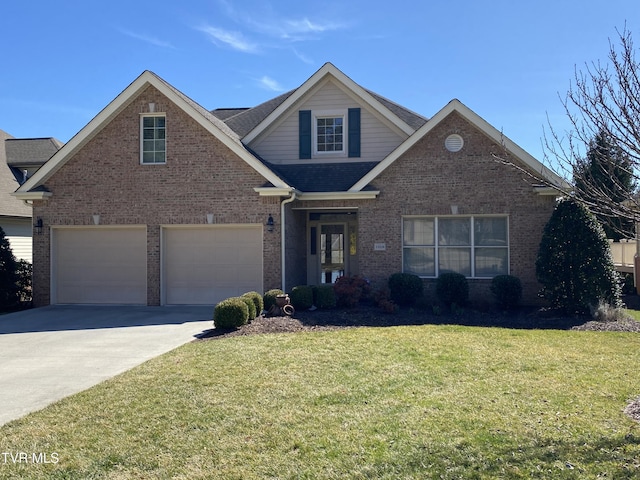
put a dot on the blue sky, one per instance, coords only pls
(507, 60)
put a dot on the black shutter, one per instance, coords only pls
(354, 132)
(304, 129)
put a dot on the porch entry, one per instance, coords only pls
(332, 246)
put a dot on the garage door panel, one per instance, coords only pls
(99, 265)
(204, 265)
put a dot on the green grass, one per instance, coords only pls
(420, 402)
(635, 314)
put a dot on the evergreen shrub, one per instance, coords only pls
(574, 263)
(507, 290)
(325, 296)
(301, 297)
(257, 301)
(452, 289)
(405, 288)
(231, 313)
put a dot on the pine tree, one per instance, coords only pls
(574, 263)
(606, 172)
(8, 276)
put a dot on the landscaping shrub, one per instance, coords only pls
(302, 297)
(325, 296)
(507, 290)
(405, 288)
(382, 299)
(452, 289)
(231, 313)
(251, 307)
(9, 290)
(269, 298)
(574, 263)
(350, 290)
(257, 301)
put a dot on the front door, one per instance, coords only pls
(332, 257)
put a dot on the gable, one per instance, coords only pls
(280, 144)
(504, 150)
(34, 189)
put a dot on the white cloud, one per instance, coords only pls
(234, 40)
(146, 38)
(270, 84)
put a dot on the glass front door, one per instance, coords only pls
(332, 257)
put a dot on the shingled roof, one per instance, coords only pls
(22, 152)
(9, 205)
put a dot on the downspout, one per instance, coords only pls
(282, 233)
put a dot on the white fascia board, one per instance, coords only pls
(474, 119)
(273, 191)
(365, 195)
(311, 83)
(26, 196)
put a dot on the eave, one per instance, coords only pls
(315, 196)
(30, 196)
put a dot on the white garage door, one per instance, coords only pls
(203, 265)
(98, 265)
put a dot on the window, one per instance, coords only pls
(153, 139)
(476, 247)
(330, 133)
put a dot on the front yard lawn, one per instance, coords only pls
(409, 402)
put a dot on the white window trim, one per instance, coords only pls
(315, 114)
(142, 117)
(472, 247)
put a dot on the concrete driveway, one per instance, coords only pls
(52, 352)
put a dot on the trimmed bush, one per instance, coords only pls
(257, 301)
(251, 307)
(301, 297)
(452, 289)
(349, 290)
(405, 288)
(325, 296)
(269, 298)
(231, 313)
(574, 263)
(507, 290)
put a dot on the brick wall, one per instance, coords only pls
(428, 179)
(201, 176)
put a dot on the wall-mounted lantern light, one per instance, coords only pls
(270, 223)
(37, 227)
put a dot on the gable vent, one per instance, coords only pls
(454, 143)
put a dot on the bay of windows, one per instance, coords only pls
(477, 247)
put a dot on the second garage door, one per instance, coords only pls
(203, 265)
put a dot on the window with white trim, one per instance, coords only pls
(153, 144)
(476, 246)
(329, 133)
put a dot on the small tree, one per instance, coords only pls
(574, 263)
(605, 173)
(8, 277)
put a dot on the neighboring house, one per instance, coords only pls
(19, 159)
(159, 201)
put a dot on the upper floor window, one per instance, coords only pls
(329, 134)
(476, 247)
(153, 141)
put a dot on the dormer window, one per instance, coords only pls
(153, 148)
(329, 134)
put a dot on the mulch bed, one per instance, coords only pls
(369, 316)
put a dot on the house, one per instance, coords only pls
(19, 159)
(159, 201)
